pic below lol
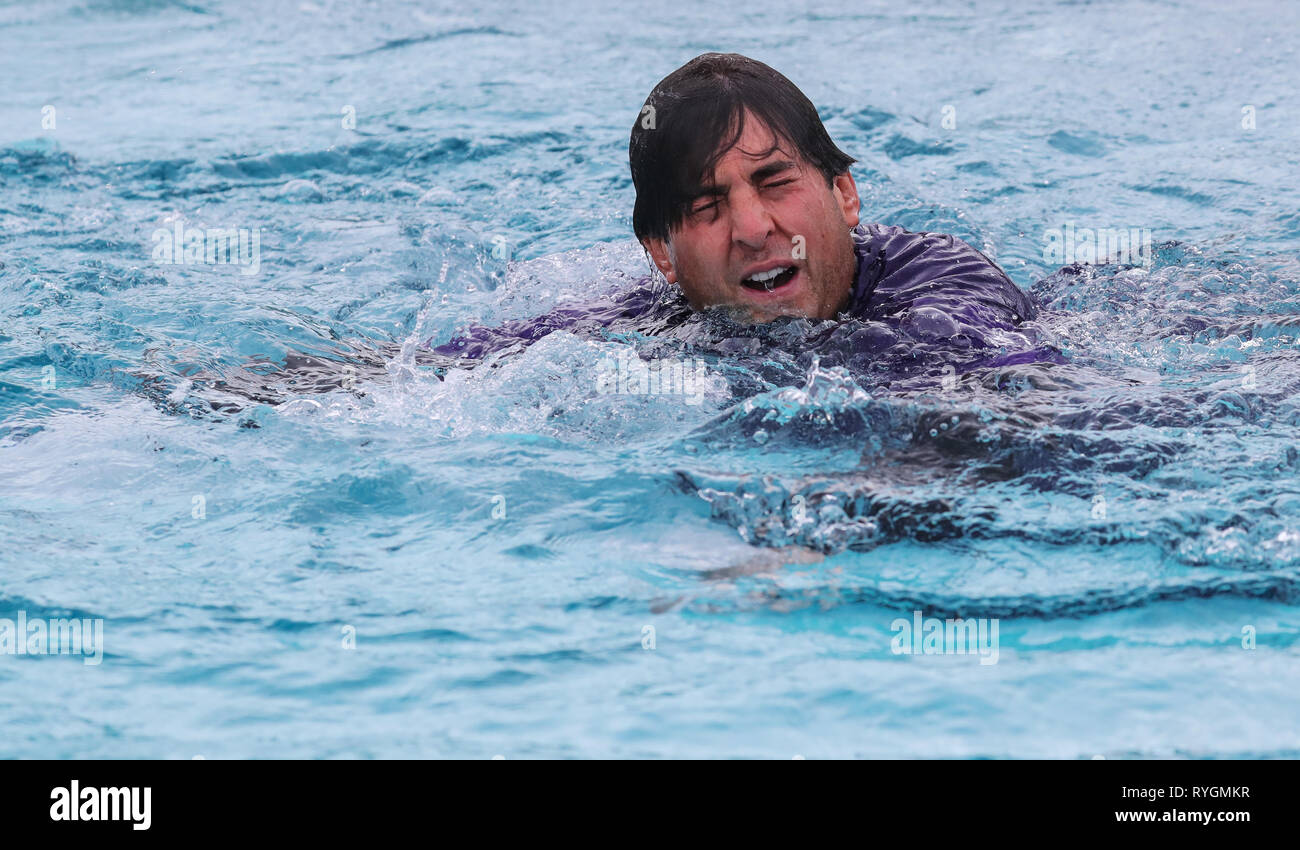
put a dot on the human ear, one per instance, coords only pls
(661, 256)
(845, 192)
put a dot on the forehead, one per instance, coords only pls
(757, 143)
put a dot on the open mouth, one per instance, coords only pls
(770, 280)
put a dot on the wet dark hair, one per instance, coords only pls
(696, 115)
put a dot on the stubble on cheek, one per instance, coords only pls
(835, 275)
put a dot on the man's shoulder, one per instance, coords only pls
(900, 268)
(938, 251)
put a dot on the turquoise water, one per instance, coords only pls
(499, 540)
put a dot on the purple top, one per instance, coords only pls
(929, 287)
(932, 286)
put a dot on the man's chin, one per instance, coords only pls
(761, 307)
(771, 316)
(748, 314)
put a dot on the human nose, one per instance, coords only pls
(751, 222)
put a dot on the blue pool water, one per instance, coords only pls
(499, 539)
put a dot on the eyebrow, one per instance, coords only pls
(760, 174)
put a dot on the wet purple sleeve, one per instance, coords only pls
(645, 301)
(479, 341)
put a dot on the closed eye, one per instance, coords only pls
(711, 205)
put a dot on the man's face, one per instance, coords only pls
(762, 214)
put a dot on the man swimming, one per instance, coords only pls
(748, 211)
(746, 206)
